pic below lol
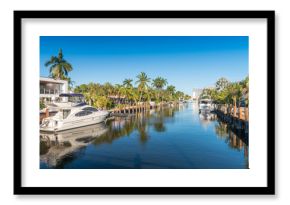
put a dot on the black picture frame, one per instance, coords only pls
(269, 189)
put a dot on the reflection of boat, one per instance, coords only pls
(76, 133)
(72, 112)
(61, 144)
(206, 117)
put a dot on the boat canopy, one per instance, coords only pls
(71, 95)
(205, 99)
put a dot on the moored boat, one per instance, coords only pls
(72, 112)
(205, 105)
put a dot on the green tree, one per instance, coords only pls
(108, 88)
(142, 82)
(128, 83)
(128, 89)
(83, 88)
(245, 90)
(171, 91)
(159, 83)
(102, 102)
(221, 84)
(58, 66)
(235, 93)
(70, 83)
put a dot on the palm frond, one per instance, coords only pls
(52, 60)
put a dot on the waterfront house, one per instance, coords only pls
(51, 88)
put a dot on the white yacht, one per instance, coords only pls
(72, 112)
(205, 105)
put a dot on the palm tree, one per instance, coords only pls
(128, 89)
(245, 89)
(171, 90)
(70, 83)
(159, 83)
(133, 95)
(120, 92)
(128, 83)
(142, 82)
(108, 88)
(234, 94)
(59, 67)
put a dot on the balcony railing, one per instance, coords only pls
(49, 91)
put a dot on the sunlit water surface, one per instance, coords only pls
(169, 138)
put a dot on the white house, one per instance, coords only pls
(51, 88)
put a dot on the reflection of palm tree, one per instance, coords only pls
(168, 113)
(143, 134)
(221, 130)
(161, 116)
(159, 126)
(234, 141)
(116, 129)
(122, 127)
(141, 126)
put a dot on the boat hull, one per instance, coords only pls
(67, 125)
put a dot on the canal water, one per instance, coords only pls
(176, 137)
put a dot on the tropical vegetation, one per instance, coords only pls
(143, 91)
(226, 92)
(59, 67)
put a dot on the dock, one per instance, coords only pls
(236, 117)
(127, 109)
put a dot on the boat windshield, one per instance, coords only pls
(76, 99)
(204, 102)
(65, 113)
(72, 99)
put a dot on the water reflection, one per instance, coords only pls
(174, 137)
(234, 138)
(57, 148)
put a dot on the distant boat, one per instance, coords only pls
(205, 105)
(72, 112)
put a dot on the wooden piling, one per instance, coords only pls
(240, 113)
(246, 114)
(46, 113)
(235, 111)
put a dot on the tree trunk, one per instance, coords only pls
(235, 107)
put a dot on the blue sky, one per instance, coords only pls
(186, 62)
